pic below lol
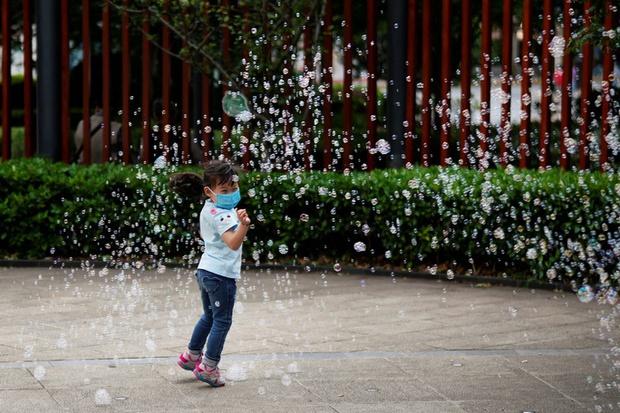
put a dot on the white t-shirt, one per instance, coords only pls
(217, 257)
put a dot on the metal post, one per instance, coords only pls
(48, 77)
(545, 87)
(586, 90)
(397, 72)
(6, 80)
(412, 63)
(64, 80)
(126, 132)
(308, 111)
(287, 113)
(465, 115)
(205, 119)
(185, 115)
(426, 81)
(86, 147)
(485, 84)
(371, 103)
(226, 120)
(567, 75)
(446, 83)
(505, 124)
(526, 81)
(146, 92)
(607, 80)
(106, 129)
(28, 138)
(327, 81)
(347, 162)
(165, 85)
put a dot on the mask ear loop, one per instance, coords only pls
(210, 190)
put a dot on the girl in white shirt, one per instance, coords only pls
(222, 228)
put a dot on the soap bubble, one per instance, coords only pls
(293, 368)
(244, 116)
(585, 294)
(237, 372)
(234, 104)
(337, 267)
(102, 398)
(286, 379)
(39, 372)
(150, 344)
(359, 246)
(556, 46)
(61, 343)
(611, 296)
(383, 147)
(160, 162)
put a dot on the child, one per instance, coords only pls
(222, 229)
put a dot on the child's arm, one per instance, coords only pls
(234, 239)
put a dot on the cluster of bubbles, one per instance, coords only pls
(275, 125)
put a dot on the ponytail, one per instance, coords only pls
(187, 184)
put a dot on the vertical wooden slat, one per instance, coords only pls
(465, 115)
(308, 111)
(64, 81)
(327, 82)
(505, 124)
(226, 120)
(586, 91)
(606, 84)
(6, 81)
(446, 82)
(165, 84)
(86, 76)
(545, 87)
(146, 92)
(412, 44)
(106, 129)
(485, 83)
(371, 103)
(205, 121)
(28, 136)
(125, 133)
(426, 81)
(246, 129)
(347, 162)
(185, 132)
(567, 75)
(526, 81)
(287, 113)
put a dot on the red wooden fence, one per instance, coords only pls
(474, 146)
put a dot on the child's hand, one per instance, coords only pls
(243, 216)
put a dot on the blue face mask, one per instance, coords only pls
(227, 201)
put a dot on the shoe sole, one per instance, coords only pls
(185, 366)
(209, 382)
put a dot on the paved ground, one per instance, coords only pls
(91, 340)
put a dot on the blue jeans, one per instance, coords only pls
(218, 298)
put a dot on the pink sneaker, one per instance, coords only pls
(210, 376)
(187, 361)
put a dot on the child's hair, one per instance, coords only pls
(216, 172)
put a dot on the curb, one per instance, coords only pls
(471, 279)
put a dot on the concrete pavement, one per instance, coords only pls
(107, 340)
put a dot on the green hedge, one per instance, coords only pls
(546, 225)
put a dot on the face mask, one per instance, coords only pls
(227, 201)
